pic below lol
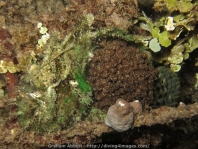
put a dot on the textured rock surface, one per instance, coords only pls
(121, 71)
(85, 132)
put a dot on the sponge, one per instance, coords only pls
(120, 116)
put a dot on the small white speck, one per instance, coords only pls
(121, 104)
(181, 103)
(73, 83)
(35, 95)
(170, 25)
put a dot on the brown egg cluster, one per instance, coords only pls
(121, 71)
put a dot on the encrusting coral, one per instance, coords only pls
(119, 70)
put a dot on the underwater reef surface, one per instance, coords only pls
(64, 63)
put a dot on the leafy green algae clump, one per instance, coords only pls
(174, 29)
(174, 5)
